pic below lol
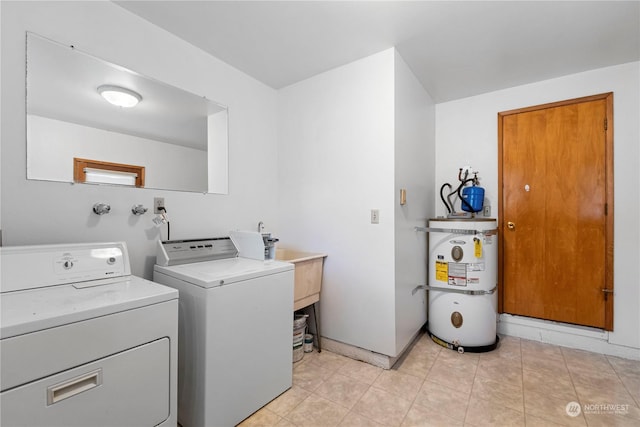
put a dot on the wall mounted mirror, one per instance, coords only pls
(179, 140)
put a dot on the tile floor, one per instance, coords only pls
(521, 383)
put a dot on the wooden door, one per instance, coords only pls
(556, 211)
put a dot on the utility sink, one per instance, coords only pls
(307, 273)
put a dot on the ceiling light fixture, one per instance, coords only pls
(119, 96)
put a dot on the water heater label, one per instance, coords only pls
(442, 271)
(475, 266)
(457, 274)
(477, 247)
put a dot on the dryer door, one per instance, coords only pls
(130, 388)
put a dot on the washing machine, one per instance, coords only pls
(235, 328)
(462, 287)
(82, 341)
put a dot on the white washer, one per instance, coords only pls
(236, 329)
(83, 342)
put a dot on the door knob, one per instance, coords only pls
(511, 225)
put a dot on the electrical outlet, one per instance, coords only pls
(158, 202)
(487, 210)
(375, 216)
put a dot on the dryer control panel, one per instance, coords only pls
(30, 267)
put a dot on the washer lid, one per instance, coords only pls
(33, 310)
(209, 274)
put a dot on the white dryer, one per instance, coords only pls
(236, 329)
(83, 342)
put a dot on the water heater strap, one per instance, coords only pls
(454, 290)
(457, 231)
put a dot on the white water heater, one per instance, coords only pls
(463, 298)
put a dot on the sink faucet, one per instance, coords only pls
(260, 226)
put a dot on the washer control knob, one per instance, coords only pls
(67, 264)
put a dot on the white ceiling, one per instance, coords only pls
(455, 48)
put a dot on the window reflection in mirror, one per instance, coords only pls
(180, 139)
(99, 172)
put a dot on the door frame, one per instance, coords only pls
(609, 211)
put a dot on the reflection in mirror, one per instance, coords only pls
(180, 139)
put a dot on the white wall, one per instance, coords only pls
(414, 172)
(336, 164)
(466, 133)
(338, 159)
(36, 212)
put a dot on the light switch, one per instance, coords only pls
(375, 216)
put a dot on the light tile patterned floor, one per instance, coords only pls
(522, 383)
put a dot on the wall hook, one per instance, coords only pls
(101, 208)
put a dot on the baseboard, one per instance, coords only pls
(564, 335)
(371, 357)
